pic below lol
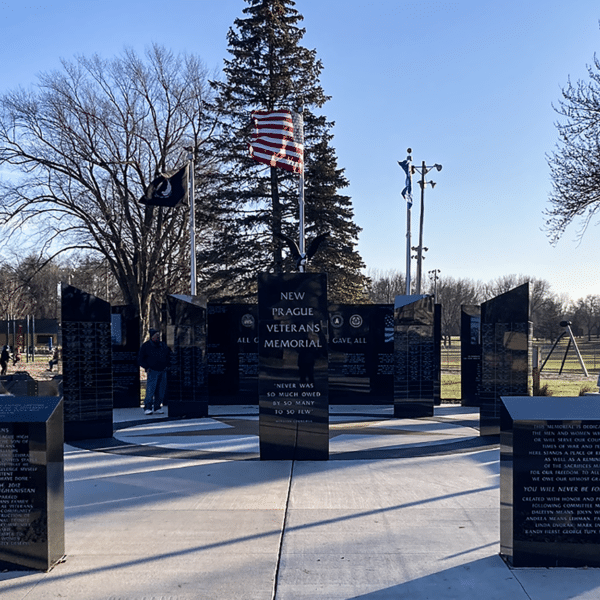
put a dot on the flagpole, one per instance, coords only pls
(301, 201)
(192, 225)
(408, 251)
(407, 195)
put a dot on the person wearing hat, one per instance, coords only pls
(154, 357)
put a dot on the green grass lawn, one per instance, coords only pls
(571, 382)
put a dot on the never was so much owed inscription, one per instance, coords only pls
(561, 486)
(295, 400)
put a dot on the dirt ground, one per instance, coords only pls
(38, 369)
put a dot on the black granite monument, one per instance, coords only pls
(232, 351)
(361, 354)
(187, 389)
(20, 383)
(293, 383)
(32, 506)
(550, 481)
(470, 354)
(416, 362)
(506, 334)
(87, 365)
(125, 335)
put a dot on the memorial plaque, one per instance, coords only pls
(32, 520)
(470, 354)
(125, 337)
(187, 389)
(87, 365)
(550, 481)
(416, 365)
(232, 352)
(361, 354)
(506, 348)
(293, 382)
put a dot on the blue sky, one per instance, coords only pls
(467, 84)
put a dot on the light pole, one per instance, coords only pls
(423, 170)
(434, 275)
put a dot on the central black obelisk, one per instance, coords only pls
(293, 380)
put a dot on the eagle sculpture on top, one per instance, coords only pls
(313, 247)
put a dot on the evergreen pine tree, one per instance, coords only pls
(269, 69)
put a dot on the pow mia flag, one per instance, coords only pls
(167, 190)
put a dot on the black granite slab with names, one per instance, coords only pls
(232, 353)
(361, 354)
(187, 388)
(550, 481)
(87, 365)
(416, 363)
(32, 506)
(293, 383)
(506, 349)
(125, 337)
(470, 354)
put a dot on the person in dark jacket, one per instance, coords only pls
(4, 358)
(154, 357)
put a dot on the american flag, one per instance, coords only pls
(388, 331)
(278, 139)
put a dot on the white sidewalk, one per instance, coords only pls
(424, 524)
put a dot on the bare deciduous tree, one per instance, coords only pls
(575, 165)
(83, 145)
(384, 286)
(452, 294)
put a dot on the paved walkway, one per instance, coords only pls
(184, 510)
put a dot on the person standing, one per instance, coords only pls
(16, 355)
(4, 358)
(154, 357)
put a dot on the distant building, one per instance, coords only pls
(24, 333)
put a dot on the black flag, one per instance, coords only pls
(167, 190)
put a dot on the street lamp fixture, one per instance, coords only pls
(434, 276)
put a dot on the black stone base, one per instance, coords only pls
(412, 410)
(88, 430)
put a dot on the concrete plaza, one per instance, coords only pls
(184, 510)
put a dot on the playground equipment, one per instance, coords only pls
(569, 332)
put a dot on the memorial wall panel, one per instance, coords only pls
(415, 354)
(550, 482)
(187, 388)
(32, 522)
(506, 348)
(232, 351)
(470, 354)
(125, 337)
(293, 382)
(87, 365)
(361, 354)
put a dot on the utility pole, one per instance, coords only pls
(423, 170)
